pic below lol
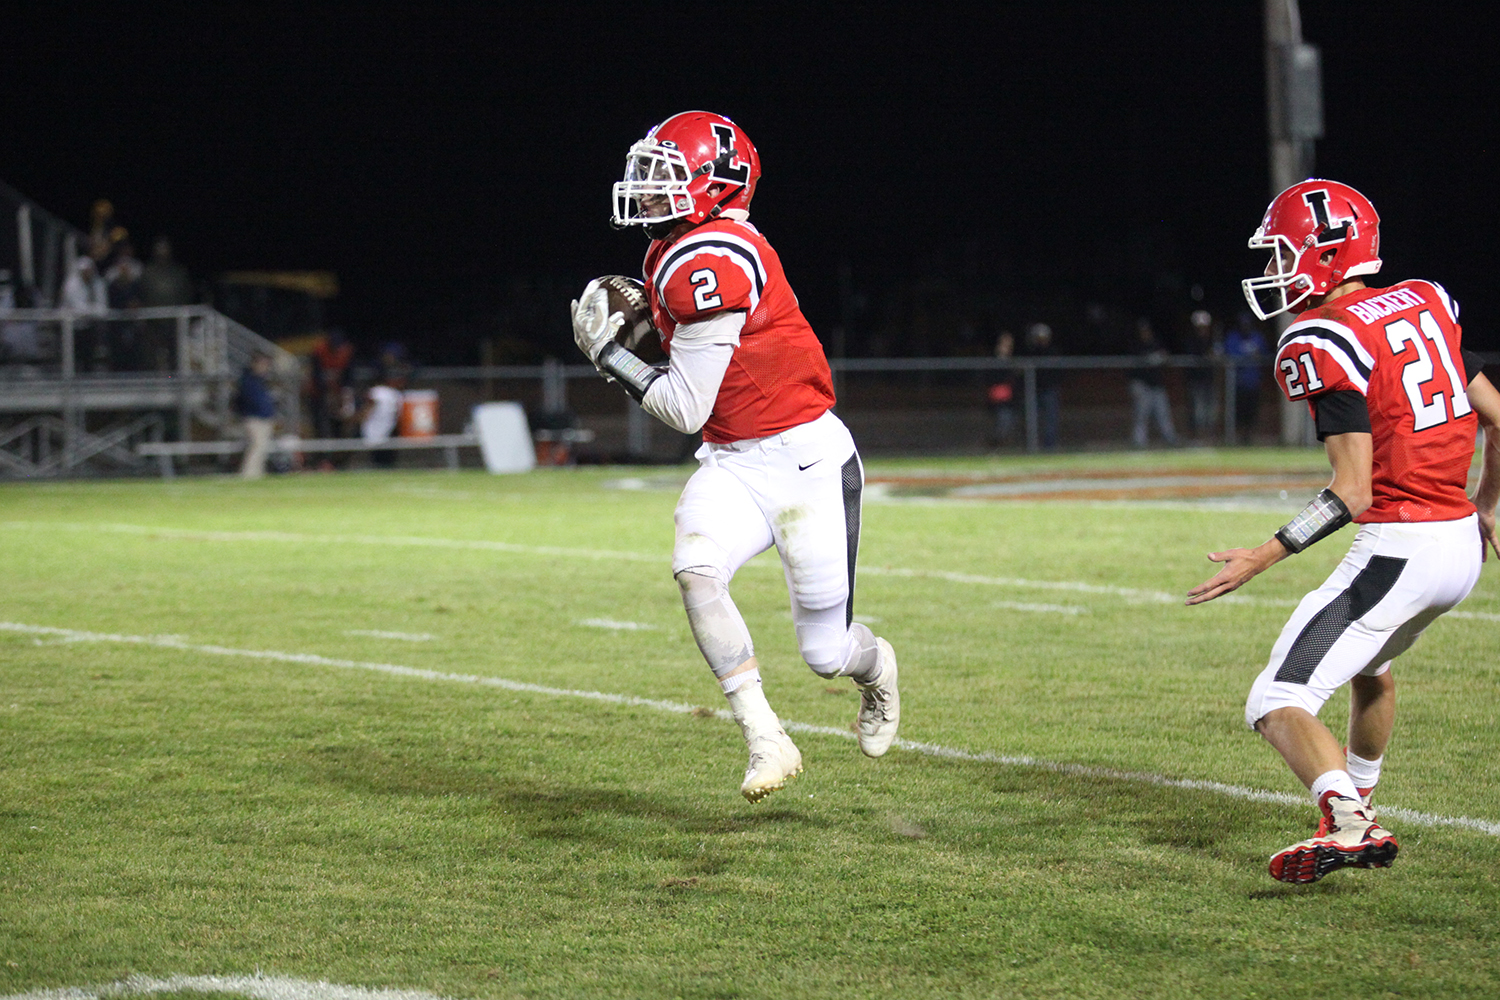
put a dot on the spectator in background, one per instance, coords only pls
(1003, 391)
(1148, 388)
(123, 278)
(1048, 383)
(163, 282)
(330, 375)
(103, 233)
(377, 418)
(85, 292)
(18, 340)
(1246, 347)
(1205, 344)
(257, 408)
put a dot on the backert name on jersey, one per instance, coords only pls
(1400, 349)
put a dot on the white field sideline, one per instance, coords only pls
(258, 987)
(930, 749)
(1133, 594)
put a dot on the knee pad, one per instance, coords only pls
(716, 623)
(824, 646)
(832, 650)
(699, 554)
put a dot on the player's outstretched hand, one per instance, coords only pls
(1240, 565)
(1488, 535)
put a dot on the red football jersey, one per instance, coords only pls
(1399, 348)
(778, 376)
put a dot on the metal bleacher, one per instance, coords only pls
(71, 407)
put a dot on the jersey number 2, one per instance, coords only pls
(705, 284)
(1419, 371)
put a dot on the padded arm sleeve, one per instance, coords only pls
(1319, 519)
(633, 374)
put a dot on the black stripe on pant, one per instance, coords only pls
(1318, 635)
(853, 478)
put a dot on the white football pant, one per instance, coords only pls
(1396, 580)
(798, 490)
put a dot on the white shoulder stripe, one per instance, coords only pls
(1447, 300)
(1334, 350)
(696, 241)
(732, 249)
(1302, 326)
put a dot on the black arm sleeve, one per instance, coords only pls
(1343, 411)
(1473, 364)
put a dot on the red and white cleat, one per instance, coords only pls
(1348, 837)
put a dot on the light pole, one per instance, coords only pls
(1294, 112)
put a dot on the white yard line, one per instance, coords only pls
(1135, 594)
(1055, 609)
(930, 749)
(403, 636)
(610, 623)
(259, 987)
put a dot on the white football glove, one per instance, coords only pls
(593, 324)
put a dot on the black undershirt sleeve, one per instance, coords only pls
(1473, 364)
(1342, 411)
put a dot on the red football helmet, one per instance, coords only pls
(1320, 233)
(689, 168)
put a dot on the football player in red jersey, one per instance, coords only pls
(777, 467)
(1396, 402)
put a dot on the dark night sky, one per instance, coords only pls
(429, 157)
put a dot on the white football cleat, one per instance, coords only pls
(879, 706)
(1349, 838)
(774, 760)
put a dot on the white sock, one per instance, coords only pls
(1365, 773)
(748, 705)
(1337, 782)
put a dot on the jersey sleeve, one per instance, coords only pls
(703, 284)
(1320, 356)
(710, 273)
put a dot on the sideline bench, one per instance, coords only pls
(165, 451)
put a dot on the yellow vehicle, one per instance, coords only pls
(285, 306)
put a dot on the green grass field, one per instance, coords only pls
(256, 728)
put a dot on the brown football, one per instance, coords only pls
(638, 335)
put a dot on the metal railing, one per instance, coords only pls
(77, 383)
(555, 379)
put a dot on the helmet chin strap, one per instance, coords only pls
(661, 230)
